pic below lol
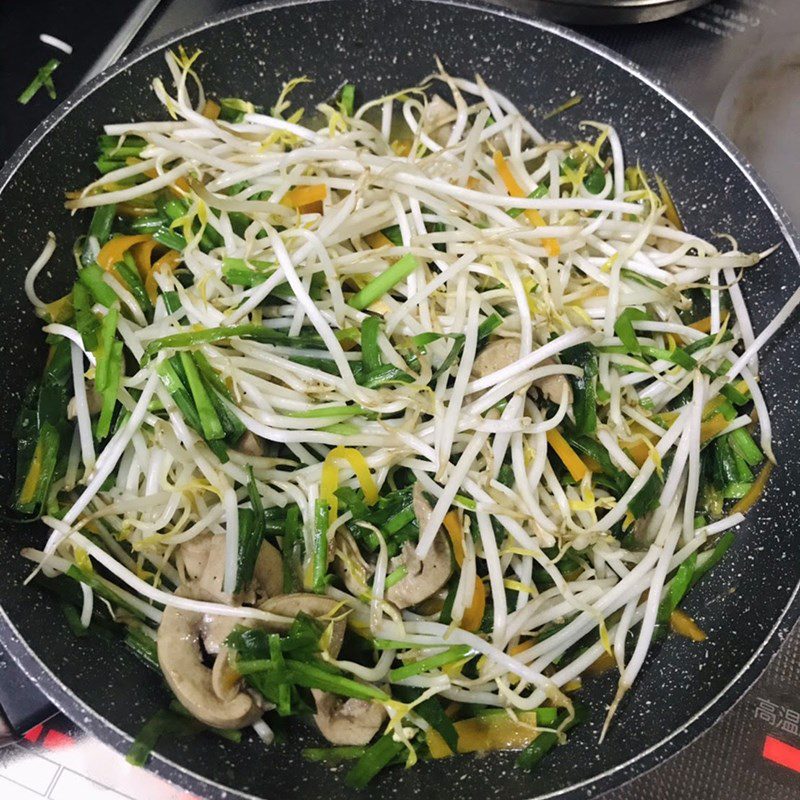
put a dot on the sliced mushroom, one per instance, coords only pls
(181, 660)
(496, 355)
(225, 680)
(94, 400)
(203, 562)
(438, 119)
(504, 352)
(193, 556)
(553, 386)
(425, 576)
(347, 722)
(350, 565)
(215, 629)
(268, 572)
(315, 605)
(250, 444)
(210, 579)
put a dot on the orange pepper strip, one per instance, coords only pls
(473, 616)
(180, 188)
(713, 427)
(756, 490)
(113, 250)
(670, 212)
(704, 325)
(378, 239)
(211, 110)
(481, 734)
(684, 625)
(568, 456)
(453, 528)
(603, 663)
(638, 451)
(143, 256)
(303, 196)
(167, 262)
(521, 647)
(515, 190)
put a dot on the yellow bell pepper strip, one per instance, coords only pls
(603, 663)
(638, 451)
(28, 490)
(306, 199)
(704, 325)
(515, 190)
(453, 528)
(755, 491)
(114, 249)
(330, 478)
(670, 212)
(378, 239)
(521, 647)
(568, 456)
(211, 110)
(493, 731)
(713, 427)
(473, 616)
(60, 310)
(684, 625)
(166, 263)
(180, 188)
(401, 147)
(143, 257)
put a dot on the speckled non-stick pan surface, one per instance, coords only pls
(746, 605)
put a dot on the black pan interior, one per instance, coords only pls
(383, 46)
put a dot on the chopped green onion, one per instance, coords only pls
(209, 421)
(544, 742)
(42, 79)
(347, 99)
(396, 576)
(370, 349)
(449, 656)
(91, 277)
(377, 756)
(320, 573)
(623, 327)
(257, 333)
(385, 282)
(745, 446)
(333, 755)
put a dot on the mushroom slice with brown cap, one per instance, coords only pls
(268, 572)
(496, 355)
(251, 445)
(225, 680)
(315, 605)
(424, 576)
(438, 119)
(215, 629)
(181, 660)
(203, 562)
(347, 721)
(504, 352)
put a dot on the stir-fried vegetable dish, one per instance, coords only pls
(397, 418)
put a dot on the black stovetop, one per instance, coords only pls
(713, 57)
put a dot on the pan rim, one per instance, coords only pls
(92, 721)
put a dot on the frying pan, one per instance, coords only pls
(746, 605)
